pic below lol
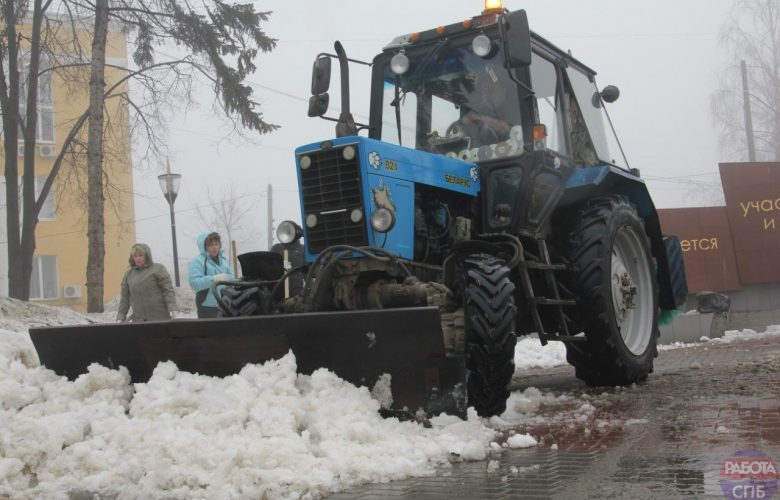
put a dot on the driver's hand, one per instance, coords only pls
(500, 127)
(472, 117)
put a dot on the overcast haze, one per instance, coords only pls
(663, 55)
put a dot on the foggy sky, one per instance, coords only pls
(663, 55)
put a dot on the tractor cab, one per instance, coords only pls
(480, 89)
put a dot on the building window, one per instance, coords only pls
(48, 210)
(44, 131)
(44, 282)
(45, 125)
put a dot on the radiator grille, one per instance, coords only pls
(331, 189)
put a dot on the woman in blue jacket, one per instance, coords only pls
(208, 267)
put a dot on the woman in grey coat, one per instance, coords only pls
(147, 288)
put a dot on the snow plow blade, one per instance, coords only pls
(359, 346)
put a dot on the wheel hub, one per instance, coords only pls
(623, 290)
(632, 290)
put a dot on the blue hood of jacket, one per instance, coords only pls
(202, 244)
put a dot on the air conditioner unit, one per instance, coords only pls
(71, 291)
(47, 150)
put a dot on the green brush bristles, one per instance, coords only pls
(667, 316)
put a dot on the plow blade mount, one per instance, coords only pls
(359, 346)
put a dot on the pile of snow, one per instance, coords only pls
(266, 432)
(17, 317)
(729, 337)
(530, 353)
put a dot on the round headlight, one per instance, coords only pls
(482, 46)
(382, 220)
(311, 220)
(348, 153)
(399, 64)
(305, 162)
(356, 215)
(288, 232)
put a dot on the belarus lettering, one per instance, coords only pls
(460, 181)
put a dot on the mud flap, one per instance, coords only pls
(359, 346)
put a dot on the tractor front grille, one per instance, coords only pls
(331, 189)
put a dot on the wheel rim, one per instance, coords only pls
(632, 290)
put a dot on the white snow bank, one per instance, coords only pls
(730, 336)
(265, 432)
(530, 353)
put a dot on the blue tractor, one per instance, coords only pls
(487, 198)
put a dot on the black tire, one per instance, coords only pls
(607, 241)
(240, 301)
(489, 309)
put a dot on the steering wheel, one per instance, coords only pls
(458, 130)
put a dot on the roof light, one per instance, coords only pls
(440, 30)
(399, 63)
(415, 37)
(491, 5)
(467, 23)
(482, 46)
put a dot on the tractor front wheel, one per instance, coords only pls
(490, 311)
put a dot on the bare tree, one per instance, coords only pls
(227, 212)
(96, 197)
(221, 44)
(752, 34)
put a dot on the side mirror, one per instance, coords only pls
(320, 75)
(318, 104)
(517, 39)
(610, 93)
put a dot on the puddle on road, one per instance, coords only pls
(589, 421)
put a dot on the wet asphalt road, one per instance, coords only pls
(666, 438)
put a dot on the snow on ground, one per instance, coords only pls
(530, 353)
(266, 432)
(730, 336)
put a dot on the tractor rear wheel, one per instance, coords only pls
(617, 293)
(489, 309)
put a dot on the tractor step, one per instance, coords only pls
(564, 338)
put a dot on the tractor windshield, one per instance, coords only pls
(453, 102)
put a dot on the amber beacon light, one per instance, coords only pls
(491, 5)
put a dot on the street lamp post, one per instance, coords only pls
(169, 183)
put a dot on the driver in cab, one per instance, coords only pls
(488, 119)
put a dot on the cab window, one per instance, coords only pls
(544, 78)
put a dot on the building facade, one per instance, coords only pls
(60, 261)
